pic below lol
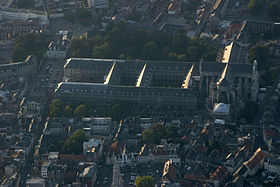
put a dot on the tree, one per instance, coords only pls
(56, 108)
(102, 51)
(210, 56)
(179, 43)
(274, 10)
(192, 53)
(181, 57)
(90, 108)
(74, 143)
(24, 3)
(122, 57)
(81, 47)
(18, 53)
(30, 44)
(255, 6)
(166, 50)
(150, 51)
(249, 111)
(259, 53)
(171, 131)
(159, 131)
(97, 40)
(145, 181)
(84, 16)
(172, 56)
(115, 112)
(149, 45)
(69, 15)
(148, 136)
(68, 111)
(81, 110)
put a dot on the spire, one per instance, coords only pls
(255, 67)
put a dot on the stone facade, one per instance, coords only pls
(24, 68)
(12, 14)
(156, 85)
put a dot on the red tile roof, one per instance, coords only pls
(201, 149)
(219, 173)
(72, 157)
(256, 159)
(270, 133)
(117, 147)
(174, 5)
(190, 177)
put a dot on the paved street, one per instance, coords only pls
(259, 139)
(50, 72)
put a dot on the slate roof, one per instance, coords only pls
(18, 65)
(217, 67)
(88, 63)
(232, 53)
(100, 88)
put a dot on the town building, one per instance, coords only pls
(272, 163)
(158, 86)
(11, 29)
(88, 176)
(13, 14)
(27, 67)
(255, 163)
(235, 52)
(98, 125)
(35, 182)
(57, 49)
(98, 4)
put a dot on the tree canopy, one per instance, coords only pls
(274, 10)
(56, 108)
(259, 53)
(256, 6)
(24, 3)
(74, 143)
(146, 45)
(69, 15)
(30, 44)
(249, 111)
(116, 111)
(157, 132)
(84, 16)
(145, 181)
(81, 111)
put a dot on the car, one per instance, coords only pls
(105, 178)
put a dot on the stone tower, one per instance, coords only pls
(117, 178)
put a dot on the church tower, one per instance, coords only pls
(117, 178)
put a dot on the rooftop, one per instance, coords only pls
(255, 159)
(26, 11)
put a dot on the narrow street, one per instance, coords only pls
(259, 141)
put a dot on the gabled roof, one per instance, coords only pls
(117, 147)
(218, 68)
(219, 173)
(226, 78)
(255, 159)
